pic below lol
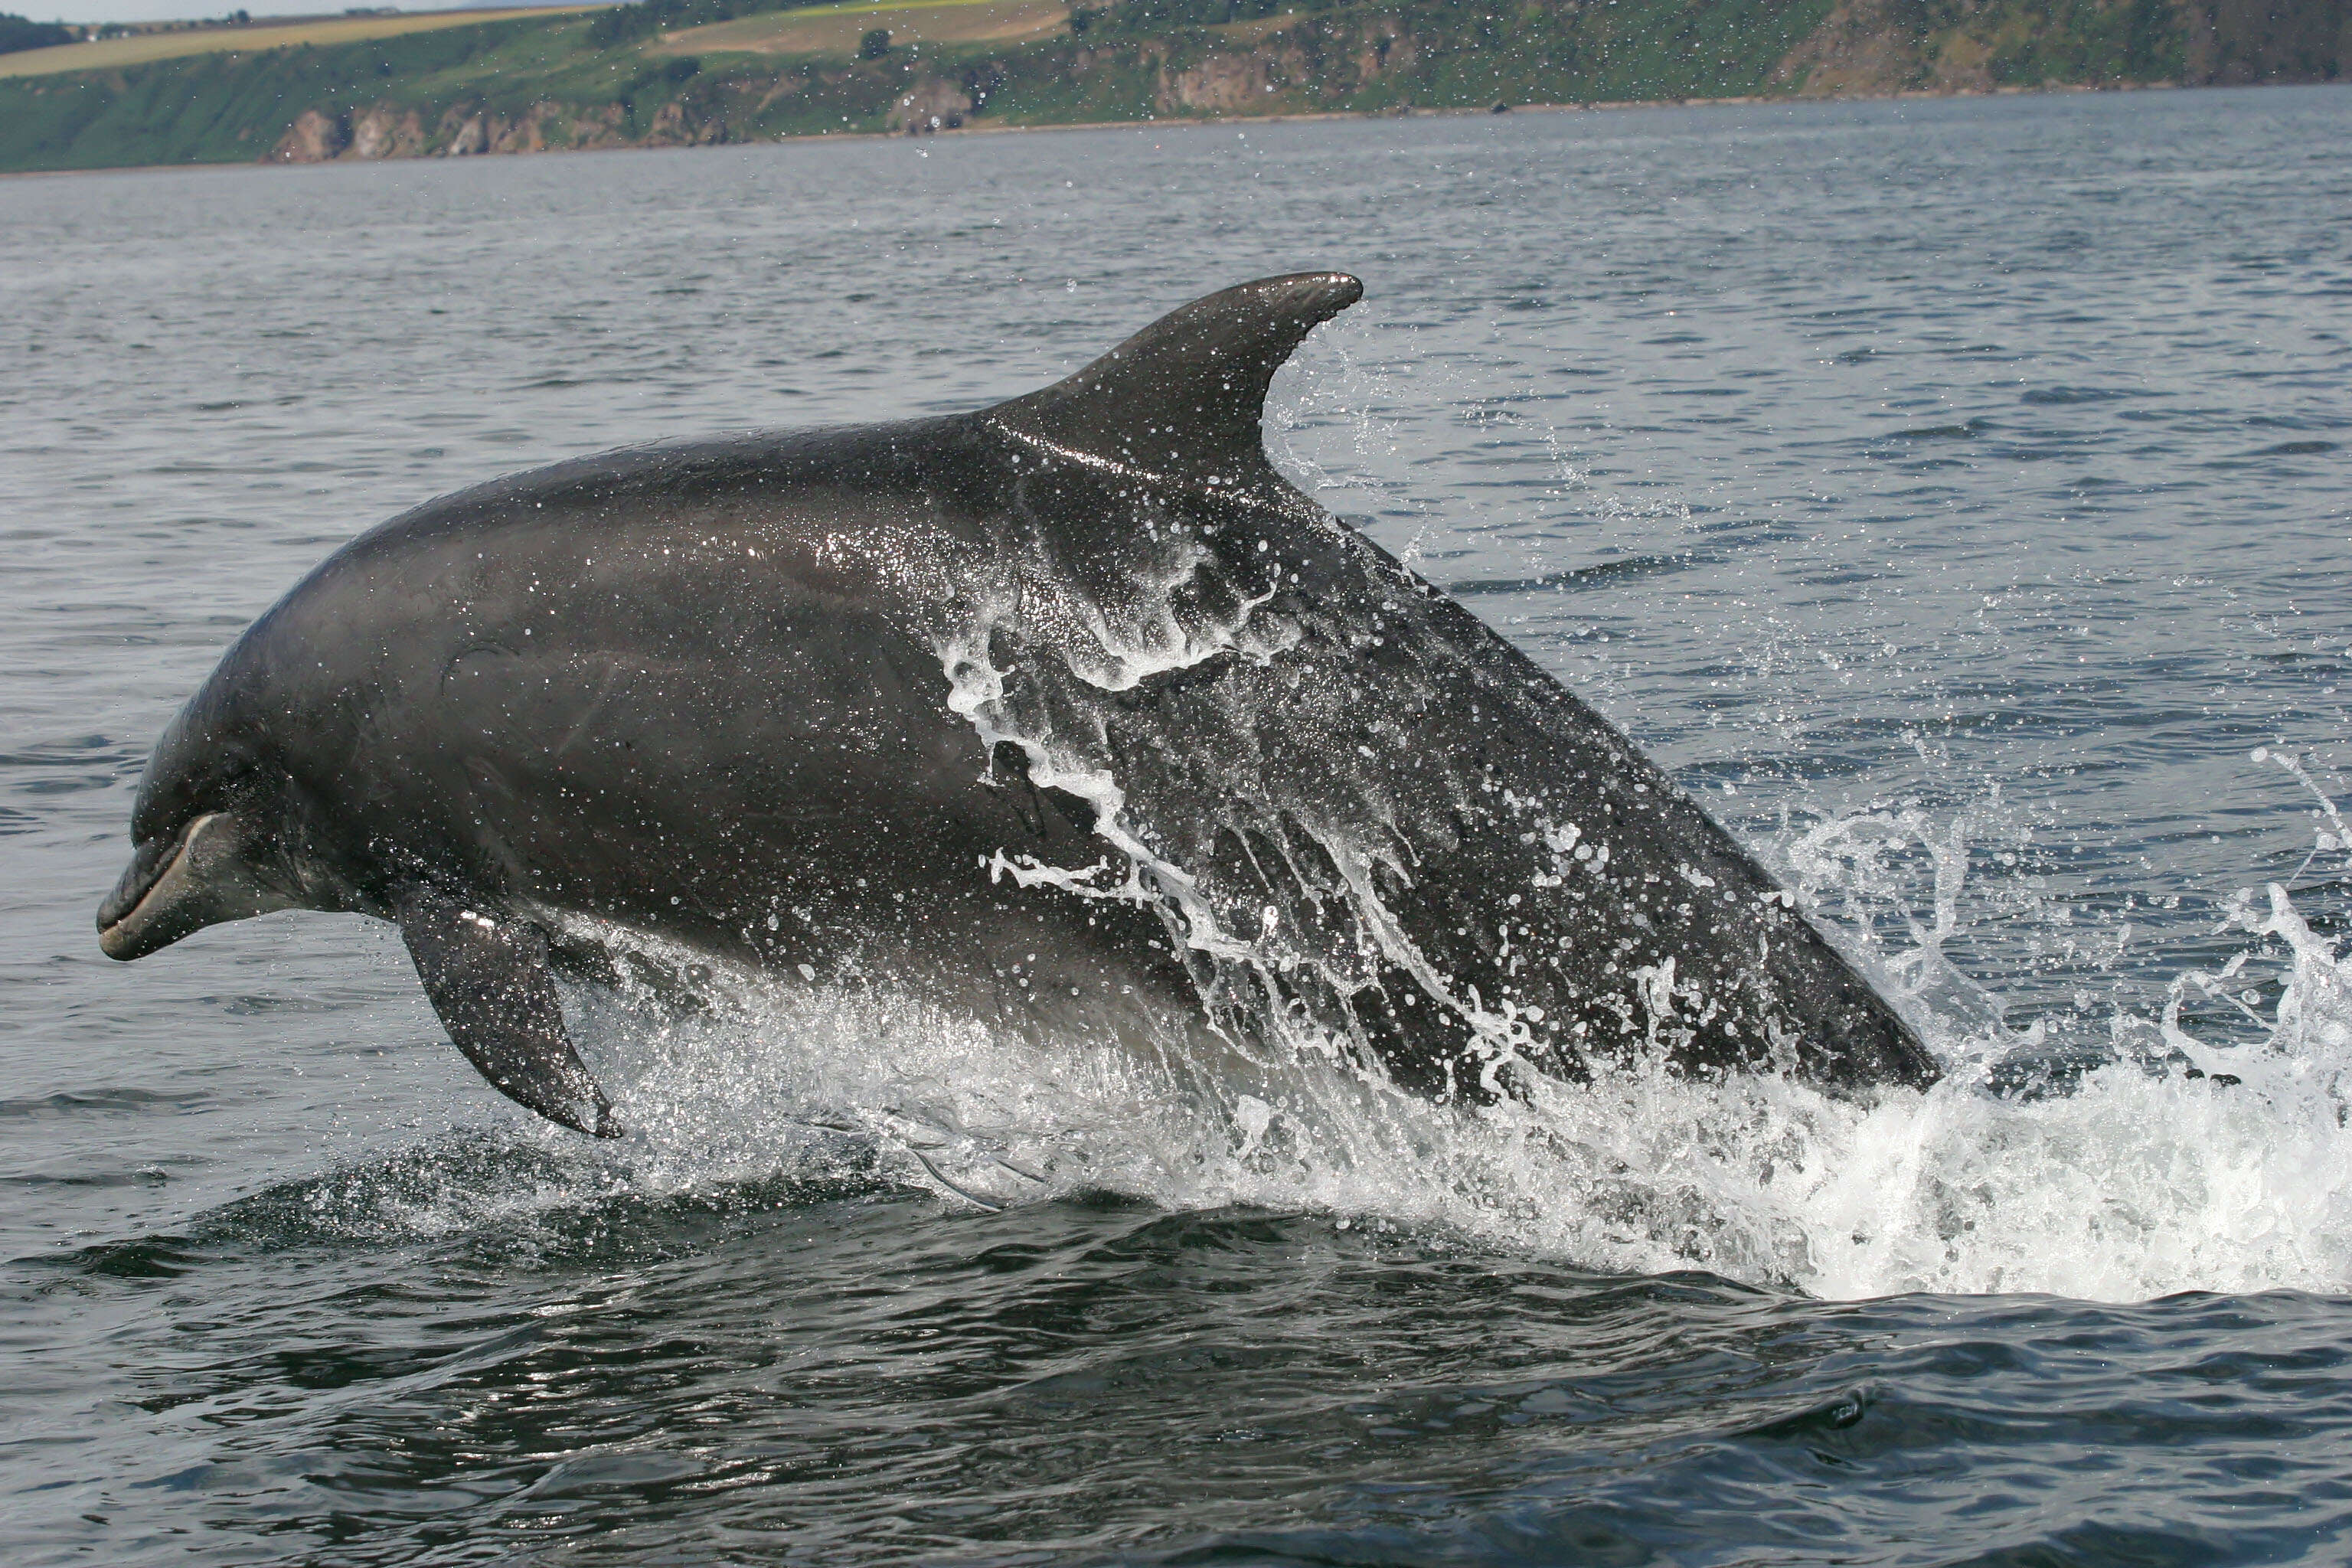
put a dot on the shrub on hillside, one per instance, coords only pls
(22, 33)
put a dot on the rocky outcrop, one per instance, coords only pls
(1224, 84)
(464, 138)
(608, 127)
(384, 133)
(315, 137)
(467, 133)
(320, 136)
(679, 125)
(935, 103)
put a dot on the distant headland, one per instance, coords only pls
(378, 83)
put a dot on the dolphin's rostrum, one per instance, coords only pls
(1070, 713)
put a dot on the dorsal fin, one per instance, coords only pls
(1185, 395)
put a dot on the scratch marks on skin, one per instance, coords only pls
(589, 714)
(1230, 490)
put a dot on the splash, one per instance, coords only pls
(2209, 1149)
(2180, 1155)
(2186, 1161)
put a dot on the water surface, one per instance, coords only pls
(1953, 494)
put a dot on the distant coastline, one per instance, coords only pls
(1199, 122)
(674, 73)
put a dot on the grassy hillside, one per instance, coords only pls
(680, 72)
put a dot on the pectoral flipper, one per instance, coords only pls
(489, 982)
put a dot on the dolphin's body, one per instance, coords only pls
(1069, 713)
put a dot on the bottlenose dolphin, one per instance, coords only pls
(1070, 713)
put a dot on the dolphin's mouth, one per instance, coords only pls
(131, 920)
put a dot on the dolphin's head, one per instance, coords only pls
(204, 835)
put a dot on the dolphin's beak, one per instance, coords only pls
(177, 885)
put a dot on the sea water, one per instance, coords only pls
(1952, 495)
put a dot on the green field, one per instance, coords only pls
(140, 49)
(834, 31)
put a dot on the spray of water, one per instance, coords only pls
(2186, 1162)
(2187, 1158)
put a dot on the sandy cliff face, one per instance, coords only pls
(313, 138)
(1226, 84)
(318, 136)
(1872, 47)
(383, 133)
(466, 136)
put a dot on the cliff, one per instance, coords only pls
(540, 83)
(1871, 48)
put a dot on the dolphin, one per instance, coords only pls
(1069, 713)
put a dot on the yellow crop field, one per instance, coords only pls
(109, 54)
(836, 29)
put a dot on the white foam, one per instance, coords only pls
(2139, 1181)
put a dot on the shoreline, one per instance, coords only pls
(1751, 100)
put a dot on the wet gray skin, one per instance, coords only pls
(1069, 714)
